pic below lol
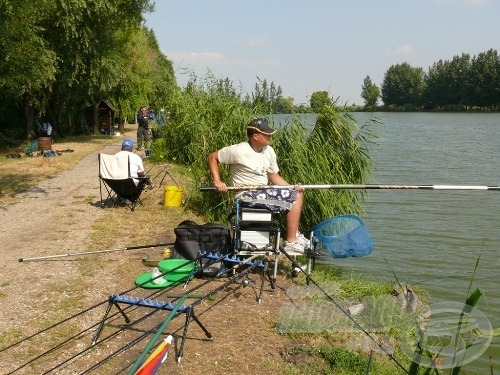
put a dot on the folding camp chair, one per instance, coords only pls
(114, 175)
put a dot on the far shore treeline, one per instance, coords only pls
(58, 58)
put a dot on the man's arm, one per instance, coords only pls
(213, 164)
(140, 169)
(276, 179)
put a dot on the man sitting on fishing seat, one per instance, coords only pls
(254, 163)
(136, 165)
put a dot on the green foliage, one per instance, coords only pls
(27, 62)
(268, 97)
(370, 92)
(403, 84)
(350, 362)
(357, 287)
(59, 57)
(320, 99)
(455, 85)
(482, 84)
(444, 81)
(204, 117)
(339, 360)
(284, 105)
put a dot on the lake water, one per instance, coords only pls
(433, 238)
(429, 238)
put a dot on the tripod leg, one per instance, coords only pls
(189, 313)
(101, 325)
(262, 280)
(195, 318)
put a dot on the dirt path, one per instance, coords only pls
(52, 218)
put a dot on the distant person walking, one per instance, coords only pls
(143, 129)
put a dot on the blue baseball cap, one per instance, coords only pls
(127, 144)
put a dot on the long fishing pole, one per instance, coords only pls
(94, 252)
(359, 186)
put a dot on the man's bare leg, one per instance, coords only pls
(293, 218)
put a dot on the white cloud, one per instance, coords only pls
(258, 42)
(212, 59)
(269, 63)
(197, 58)
(401, 50)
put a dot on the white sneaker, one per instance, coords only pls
(295, 247)
(303, 240)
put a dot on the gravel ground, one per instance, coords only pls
(52, 218)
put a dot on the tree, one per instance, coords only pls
(284, 105)
(146, 75)
(444, 82)
(59, 56)
(266, 96)
(320, 99)
(402, 85)
(27, 63)
(483, 80)
(369, 92)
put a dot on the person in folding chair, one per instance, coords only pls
(254, 163)
(136, 165)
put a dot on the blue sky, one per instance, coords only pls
(319, 45)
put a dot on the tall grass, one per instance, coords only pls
(209, 115)
(334, 152)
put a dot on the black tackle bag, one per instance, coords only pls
(191, 238)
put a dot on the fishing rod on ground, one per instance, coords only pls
(47, 257)
(190, 291)
(88, 348)
(199, 300)
(359, 186)
(127, 346)
(237, 275)
(62, 343)
(59, 345)
(54, 325)
(79, 333)
(295, 265)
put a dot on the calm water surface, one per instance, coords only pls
(434, 238)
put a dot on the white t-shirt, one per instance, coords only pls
(246, 166)
(136, 165)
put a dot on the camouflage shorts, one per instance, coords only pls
(275, 200)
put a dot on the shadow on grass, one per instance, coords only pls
(13, 184)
